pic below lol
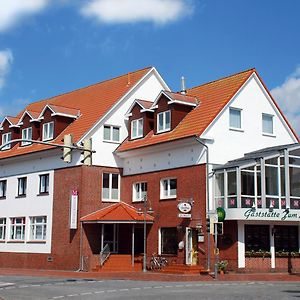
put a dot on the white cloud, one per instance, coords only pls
(6, 59)
(131, 11)
(288, 97)
(12, 11)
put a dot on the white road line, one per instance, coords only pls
(73, 295)
(111, 291)
(123, 290)
(99, 292)
(58, 297)
(87, 293)
(147, 287)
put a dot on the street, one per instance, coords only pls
(24, 287)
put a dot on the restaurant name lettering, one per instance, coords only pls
(284, 215)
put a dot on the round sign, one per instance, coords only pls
(184, 207)
(221, 214)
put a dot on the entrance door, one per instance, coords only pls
(188, 246)
(110, 234)
(138, 240)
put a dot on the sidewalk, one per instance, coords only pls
(151, 276)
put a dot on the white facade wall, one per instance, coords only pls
(163, 157)
(148, 90)
(231, 144)
(31, 205)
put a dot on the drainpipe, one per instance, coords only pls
(80, 250)
(207, 198)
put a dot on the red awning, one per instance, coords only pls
(117, 213)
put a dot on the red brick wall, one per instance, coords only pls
(191, 183)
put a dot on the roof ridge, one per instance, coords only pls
(222, 78)
(90, 85)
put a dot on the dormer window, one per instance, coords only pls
(137, 128)
(48, 131)
(6, 137)
(164, 121)
(26, 135)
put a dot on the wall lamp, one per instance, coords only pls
(271, 207)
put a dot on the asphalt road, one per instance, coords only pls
(23, 288)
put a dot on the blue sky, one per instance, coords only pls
(48, 47)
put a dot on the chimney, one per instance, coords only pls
(183, 90)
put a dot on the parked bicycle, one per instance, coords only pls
(157, 262)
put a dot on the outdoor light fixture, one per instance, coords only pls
(271, 207)
(253, 207)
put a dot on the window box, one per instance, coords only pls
(168, 188)
(257, 253)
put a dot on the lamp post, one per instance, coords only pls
(145, 211)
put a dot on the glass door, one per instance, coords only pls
(110, 233)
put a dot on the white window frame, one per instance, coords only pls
(110, 199)
(6, 137)
(137, 189)
(22, 188)
(111, 139)
(168, 196)
(44, 183)
(34, 225)
(3, 229)
(241, 120)
(262, 125)
(135, 133)
(26, 135)
(48, 131)
(165, 128)
(3, 187)
(14, 226)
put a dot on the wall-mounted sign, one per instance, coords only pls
(73, 209)
(184, 207)
(184, 216)
(221, 214)
(261, 214)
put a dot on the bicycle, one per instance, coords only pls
(157, 262)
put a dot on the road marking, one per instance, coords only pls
(136, 288)
(99, 292)
(3, 284)
(58, 297)
(87, 293)
(73, 295)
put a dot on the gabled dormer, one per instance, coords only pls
(140, 118)
(170, 109)
(29, 126)
(10, 130)
(54, 119)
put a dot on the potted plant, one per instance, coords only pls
(222, 266)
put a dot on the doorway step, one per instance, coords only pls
(183, 269)
(120, 263)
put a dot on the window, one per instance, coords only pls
(169, 240)
(22, 186)
(110, 187)
(44, 184)
(267, 124)
(111, 133)
(137, 128)
(231, 189)
(38, 227)
(219, 189)
(257, 238)
(235, 121)
(2, 229)
(168, 188)
(286, 238)
(139, 191)
(3, 184)
(48, 131)
(6, 137)
(164, 121)
(26, 135)
(17, 229)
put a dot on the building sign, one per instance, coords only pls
(184, 209)
(73, 209)
(262, 214)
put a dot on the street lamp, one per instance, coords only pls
(145, 211)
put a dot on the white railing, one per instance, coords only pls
(104, 254)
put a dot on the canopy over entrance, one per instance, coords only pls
(120, 212)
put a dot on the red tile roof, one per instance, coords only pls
(64, 110)
(213, 97)
(182, 98)
(144, 103)
(92, 101)
(121, 212)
